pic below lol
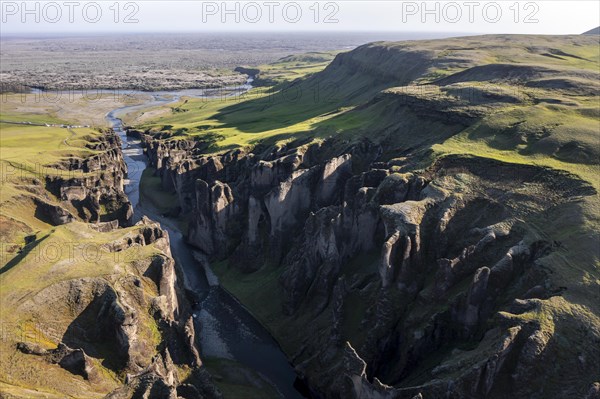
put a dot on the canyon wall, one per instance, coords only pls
(392, 285)
(90, 188)
(131, 323)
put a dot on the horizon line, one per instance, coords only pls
(96, 33)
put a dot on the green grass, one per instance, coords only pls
(533, 135)
(61, 255)
(208, 120)
(68, 252)
(275, 114)
(49, 143)
(151, 190)
(28, 152)
(262, 295)
(294, 67)
(42, 118)
(259, 291)
(35, 305)
(326, 104)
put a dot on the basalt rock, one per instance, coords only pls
(215, 212)
(314, 266)
(91, 186)
(31, 349)
(157, 380)
(190, 340)
(276, 192)
(75, 361)
(52, 214)
(404, 266)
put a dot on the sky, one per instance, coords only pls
(501, 16)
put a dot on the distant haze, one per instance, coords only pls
(542, 17)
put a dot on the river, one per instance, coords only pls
(225, 328)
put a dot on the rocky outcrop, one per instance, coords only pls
(404, 264)
(158, 380)
(190, 340)
(215, 211)
(133, 318)
(52, 214)
(114, 319)
(93, 186)
(76, 361)
(272, 195)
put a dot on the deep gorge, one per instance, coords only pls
(434, 272)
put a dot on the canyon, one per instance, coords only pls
(311, 213)
(418, 220)
(135, 321)
(392, 273)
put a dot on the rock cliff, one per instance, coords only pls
(104, 296)
(418, 241)
(411, 267)
(91, 187)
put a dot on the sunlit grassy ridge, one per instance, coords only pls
(27, 155)
(263, 113)
(47, 144)
(35, 308)
(552, 82)
(293, 67)
(69, 252)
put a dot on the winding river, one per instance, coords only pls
(225, 328)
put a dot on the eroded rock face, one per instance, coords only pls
(134, 319)
(159, 379)
(75, 361)
(113, 318)
(240, 199)
(215, 211)
(335, 173)
(90, 188)
(53, 214)
(404, 266)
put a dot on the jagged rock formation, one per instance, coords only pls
(130, 322)
(73, 360)
(397, 271)
(112, 317)
(448, 236)
(92, 186)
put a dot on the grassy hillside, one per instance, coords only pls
(239, 120)
(544, 76)
(50, 273)
(26, 156)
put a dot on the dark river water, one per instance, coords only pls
(226, 329)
